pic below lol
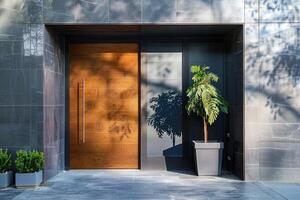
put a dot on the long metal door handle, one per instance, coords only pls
(81, 108)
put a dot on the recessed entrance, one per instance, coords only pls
(103, 105)
(162, 133)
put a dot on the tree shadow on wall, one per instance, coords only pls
(166, 119)
(277, 70)
(272, 84)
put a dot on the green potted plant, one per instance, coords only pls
(205, 100)
(29, 167)
(6, 174)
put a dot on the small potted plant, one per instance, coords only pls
(205, 100)
(29, 167)
(6, 175)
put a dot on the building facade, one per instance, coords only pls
(251, 44)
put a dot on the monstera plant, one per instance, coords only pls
(205, 100)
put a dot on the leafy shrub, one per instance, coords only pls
(29, 161)
(204, 98)
(5, 161)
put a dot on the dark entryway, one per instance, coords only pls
(166, 54)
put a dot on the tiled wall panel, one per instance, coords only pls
(144, 11)
(54, 103)
(21, 75)
(271, 90)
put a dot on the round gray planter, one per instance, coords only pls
(208, 158)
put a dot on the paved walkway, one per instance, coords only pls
(88, 185)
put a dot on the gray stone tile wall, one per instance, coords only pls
(21, 75)
(271, 90)
(144, 11)
(54, 102)
(271, 69)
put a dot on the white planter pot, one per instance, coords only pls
(29, 179)
(6, 179)
(208, 158)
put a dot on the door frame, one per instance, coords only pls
(85, 40)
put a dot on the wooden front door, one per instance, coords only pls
(103, 106)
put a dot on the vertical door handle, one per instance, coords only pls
(81, 112)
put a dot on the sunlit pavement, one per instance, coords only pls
(109, 184)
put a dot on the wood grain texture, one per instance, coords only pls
(110, 75)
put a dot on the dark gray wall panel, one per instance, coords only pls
(32, 11)
(21, 62)
(15, 126)
(54, 140)
(234, 137)
(210, 54)
(54, 103)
